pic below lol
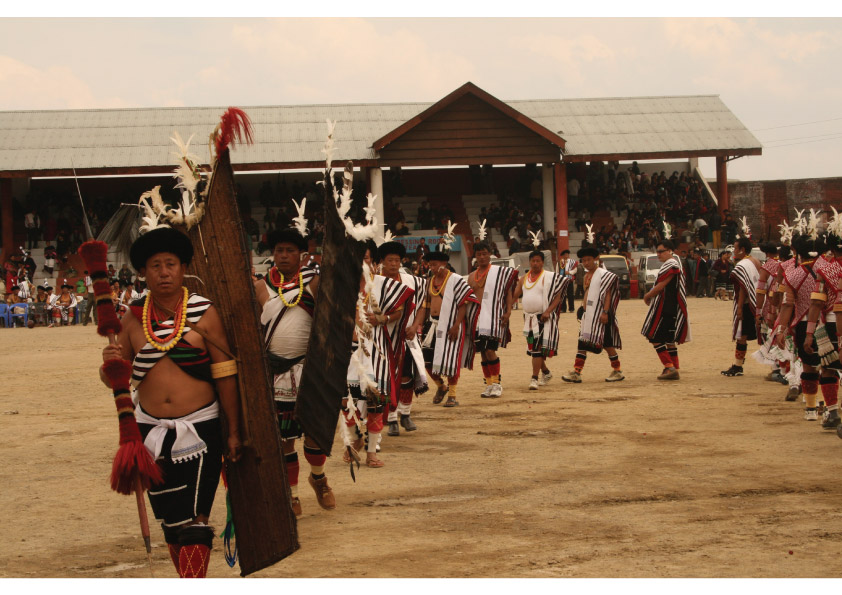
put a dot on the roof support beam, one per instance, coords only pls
(722, 183)
(6, 216)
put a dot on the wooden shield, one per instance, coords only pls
(257, 483)
(324, 377)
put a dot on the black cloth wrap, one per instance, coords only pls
(281, 365)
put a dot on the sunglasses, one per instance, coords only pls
(661, 251)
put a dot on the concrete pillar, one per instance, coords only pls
(6, 216)
(692, 164)
(722, 184)
(549, 199)
(562, 235)
(375, 187)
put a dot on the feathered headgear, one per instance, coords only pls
(449, 237)
(786, 233)
(834, 232)
(813, 225)
(590, 235)
(800, 223)
(536, 241)
(482, 233)
(667, 231)
(745, 228)
(300, 222)
(191, 209)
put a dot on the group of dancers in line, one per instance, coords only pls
(789, 305)
(412, 331)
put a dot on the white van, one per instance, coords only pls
(647, 271)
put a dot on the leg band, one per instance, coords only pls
(291, 460)
(830, 390)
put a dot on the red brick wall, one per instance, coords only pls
(767, 203)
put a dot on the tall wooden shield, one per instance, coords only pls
(258, 486)
(324, 377)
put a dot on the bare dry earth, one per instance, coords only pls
(709, 476)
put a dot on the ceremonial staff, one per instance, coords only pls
(133, 468)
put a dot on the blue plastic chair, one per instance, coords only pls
(4, 315)
(25, 314)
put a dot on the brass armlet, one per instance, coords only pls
(224, 369)
(837, 307)
(822, 297)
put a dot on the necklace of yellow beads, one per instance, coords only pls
(151, 338)
(300, 290)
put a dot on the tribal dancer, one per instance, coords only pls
(826, 302)
(767, 310)
(791, 363)
(182, 375)
(667, 325)
(288, 297)
(452, 305)
(800, 288)
(379, 336)
(493, 286)
(413, 378)
(542, 292)
(598, 315)
(745, 276)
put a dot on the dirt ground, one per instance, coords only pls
(705, 477)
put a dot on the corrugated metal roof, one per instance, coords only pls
(127, 138)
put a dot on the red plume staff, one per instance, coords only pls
(133, 469)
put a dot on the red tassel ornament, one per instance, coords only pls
(235, 126)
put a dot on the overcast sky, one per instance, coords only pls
(774, 74)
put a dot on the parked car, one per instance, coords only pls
(647, 272)
(617, 264)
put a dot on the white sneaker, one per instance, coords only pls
(533, 384)
(497, 390)
(488, 392)
(810, 414)
(545, 378)
(615, 376)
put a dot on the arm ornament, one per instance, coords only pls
(822, 297)
(224, 369)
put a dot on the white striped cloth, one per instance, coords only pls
(449, 356)
(498, 282)
(551, 286)
(746, 275)
(592, 331)
(148, 356)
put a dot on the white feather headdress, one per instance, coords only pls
(590, 235)
(800, 223)
(536, 241)
(152, 213)
(449, 237)
(834, 226)
(667, 231)
(786, 233)
(813, 225)
(300, 222)
(482, 233)
(745, 228)
(191, 209)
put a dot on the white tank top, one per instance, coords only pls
(293, 331)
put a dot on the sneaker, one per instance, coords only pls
(573, 376)
(489, 388)
(669, 374)
(323, 492)
(734, 370)
(545, 378)
(830, 419)
(533, 384)
(774, 376)
(810, 414)
(792, 393)
(296, 507)
(393, 429)
(408, 424)
(616, 376)
(496, 390)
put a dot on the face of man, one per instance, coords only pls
(739, 252)
(164, 273)
(664, 254)
(391, 265)
(435, 266)
(287, 258)
(367, 259)
(590, 263)
(483, 258)
(536, 264)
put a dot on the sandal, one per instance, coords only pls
(440, 393)
(451, 402)
(374, 463)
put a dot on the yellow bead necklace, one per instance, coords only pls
(300, 290)
(150, 336)
(529, 274)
